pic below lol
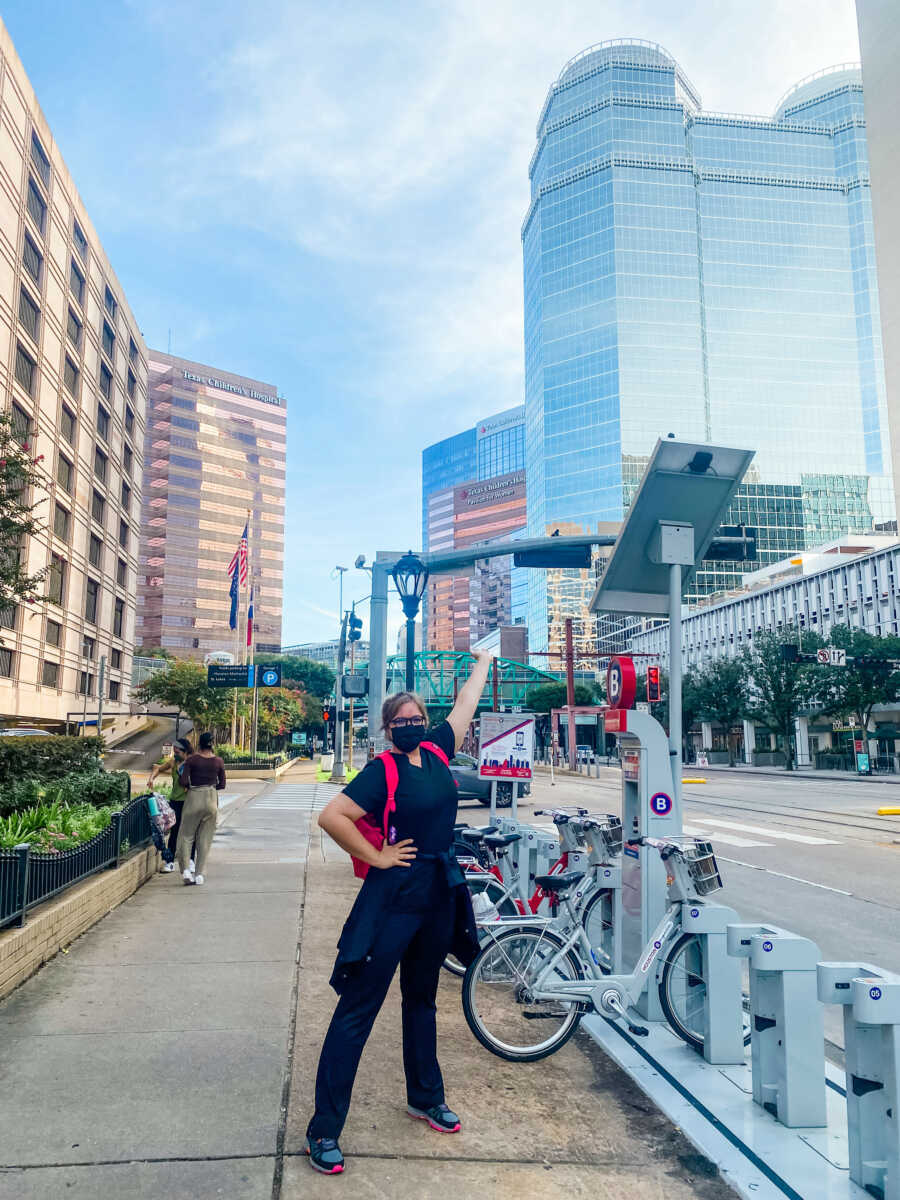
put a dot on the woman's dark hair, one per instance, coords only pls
(205, 742)
(185, 745)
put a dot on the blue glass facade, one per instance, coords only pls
(705, 275)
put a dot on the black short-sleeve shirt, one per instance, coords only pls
(426, 796)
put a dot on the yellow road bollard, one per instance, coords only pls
(704, 781)
(889, 812)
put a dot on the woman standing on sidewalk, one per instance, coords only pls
(174, 765)
(204, 776)
(411, 910)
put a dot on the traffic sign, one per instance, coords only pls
(270, 676)
(830, 656)
(219, 676)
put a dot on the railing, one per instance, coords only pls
(28, 878)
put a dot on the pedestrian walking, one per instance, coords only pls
(412, 910)
(174, 765)
(203, 775)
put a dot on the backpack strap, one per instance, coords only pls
(436, 750)
(391, 779)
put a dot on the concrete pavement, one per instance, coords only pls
(171, 1053)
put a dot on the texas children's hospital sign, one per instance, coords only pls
(224, 386)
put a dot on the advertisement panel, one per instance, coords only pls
(506, 746)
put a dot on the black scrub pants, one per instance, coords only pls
(419, 942)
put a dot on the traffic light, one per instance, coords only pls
(355, 628)
(652, 684)
(326, 715)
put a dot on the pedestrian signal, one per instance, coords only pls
(326, 715)
(652, 684)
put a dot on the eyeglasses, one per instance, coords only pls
(403, 722)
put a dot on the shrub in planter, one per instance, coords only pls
(100, 789)
(47, 758)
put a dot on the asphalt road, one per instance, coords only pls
(809, 855)
(140, 752)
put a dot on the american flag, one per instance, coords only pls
(239, 561)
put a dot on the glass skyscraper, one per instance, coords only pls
(706, 275)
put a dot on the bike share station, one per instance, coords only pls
(784, 1123)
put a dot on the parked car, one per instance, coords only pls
(24, 731)
(464, 769)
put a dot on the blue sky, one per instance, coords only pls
(328, 197)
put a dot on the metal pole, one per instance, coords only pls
(350, 722)
(675, 681)
(338, 775)
(101, 682)
(495, 687)
(570, 695)
(410, 654)
(254, 728)
(378, 604)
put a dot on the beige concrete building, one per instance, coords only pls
(879, 39)
(73, 366)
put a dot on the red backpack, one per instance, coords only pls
(367, 825)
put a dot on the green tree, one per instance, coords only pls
(541, 697)
(858, 687)
(779, 688)
(311, 718)
(183, 686)
(722, 695)
(303, 674)
(280, 711)
(154, 652)
(21, 476)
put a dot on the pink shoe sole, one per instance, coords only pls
(437, 1128)
(322, 1170)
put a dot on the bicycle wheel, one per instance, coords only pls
(497, 1002)
(682, 992)
(598, 925)
(505, 907)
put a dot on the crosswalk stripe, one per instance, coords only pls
(295, 797)
(781, 835)
(727, 839)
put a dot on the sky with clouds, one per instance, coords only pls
(328, 197)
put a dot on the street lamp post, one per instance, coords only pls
(410, 576)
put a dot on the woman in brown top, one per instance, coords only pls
(203, 775)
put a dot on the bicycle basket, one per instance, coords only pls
(611, 833)
(702, 867)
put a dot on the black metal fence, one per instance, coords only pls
(28, 878)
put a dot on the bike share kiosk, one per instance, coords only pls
(673, 518)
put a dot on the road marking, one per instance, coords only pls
(295, 797)
(780, 874)
(728, 839)
(804, 839)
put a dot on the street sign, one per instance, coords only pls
(831, 657)
(270, 676)
(506, 746)
(621, 682)
(642, 706)
(218, 676)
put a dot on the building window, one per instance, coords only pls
(129, 419)
(32, 259)
(61, 518)
(40, 160)
(114, 689)
(123, 534)
(25, 369)
(73, 329)
(103, 422)
(6, 663)
(121, 568)
(21, 423)
(91, 599)
(65, 473)
(67, 425)
(49, 673)
(132, 350)
(127, 460)
(85, 684)
(110, 303)
(56, 585)
(70, 377)
(95, 550)
(36, 205)
(76, 283)
(88, 647)
(100, 463)
(98, 507)
(105, 380)
(126, 496)
(131, 384)
(29, 314)
(118, 617)
(53, 633)
(115, 659)
(109, 341)
(80, 241)
(8, 616)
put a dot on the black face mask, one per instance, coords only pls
(407, 737)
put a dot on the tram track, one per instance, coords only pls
(819, 817)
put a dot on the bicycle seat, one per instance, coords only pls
(460, 825)
(476, 836)
(559, 883)
(498, 840)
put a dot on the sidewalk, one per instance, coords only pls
(171, 1053)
